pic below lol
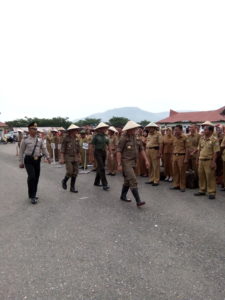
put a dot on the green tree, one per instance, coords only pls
(88, 122)
(144, 123)
(118, 121)
(54, 122)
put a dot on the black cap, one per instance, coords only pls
(32, 124)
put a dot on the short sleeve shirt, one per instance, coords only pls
(129, 147)
(208, 147)
(100, 141)
(154, 140)
(180, 144)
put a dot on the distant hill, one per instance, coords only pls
(132, 113)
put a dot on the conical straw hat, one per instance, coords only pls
(207, 123)
(73, 127)
(152, 124)
(101, 125)
(112, 128)
(130, 125)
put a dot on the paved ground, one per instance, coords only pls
(91, 245)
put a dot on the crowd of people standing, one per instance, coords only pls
(167, 153)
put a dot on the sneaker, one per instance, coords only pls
(167, 178)
(170, 179)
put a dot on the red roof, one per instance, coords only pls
(3, 124)
(196, 116)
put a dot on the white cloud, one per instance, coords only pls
(74, 58)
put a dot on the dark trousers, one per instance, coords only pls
(100, 156)
(33, 171)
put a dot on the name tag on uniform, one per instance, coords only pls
(129, 147)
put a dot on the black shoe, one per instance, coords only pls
(199, 194)
(155, 184)
(124, 191)
(182, 190)
(97, 184)
(109, 174)
(106, 187)
(33, 200)
(174, 188)
(73, 190)
(223, 189)
(113, 174)
(149, 182)
(211, 197)
(64, 181)
(137, 197)
(140, 203)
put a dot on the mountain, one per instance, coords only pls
(132, 113)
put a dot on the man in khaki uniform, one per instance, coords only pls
(167, 152)
(207, 151)
(154, 153)
(113, 142)
(70, 155)
(180, 152)
(223, 158)
(192, 141)
(127, 154)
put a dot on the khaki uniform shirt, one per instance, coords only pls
(27, 146)
(223, 145)
(167, 143)
(113, 142)
(129, 147)
(208, 147)
(153, 140)
(193, 141)
(70, 148)
(180, 144)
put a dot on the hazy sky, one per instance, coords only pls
(74, 58)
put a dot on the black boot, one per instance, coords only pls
(72, 184)
(64, 181)
(137, 197)
(124, 191)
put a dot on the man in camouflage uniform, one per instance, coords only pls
(127, 154)
(70, 155)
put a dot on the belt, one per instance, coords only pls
(33, 156)
(178, 154)
(205, 159)
(156, 147)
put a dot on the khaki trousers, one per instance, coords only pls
(129, 173)
(207, 177)
(154, 168)
(179, 179)
(112, 163)
(168, 167)
(71, 168)
(224, 173)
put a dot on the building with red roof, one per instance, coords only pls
(196, 117)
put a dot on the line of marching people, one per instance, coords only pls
(190, 159)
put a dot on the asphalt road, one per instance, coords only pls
(91, 245)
